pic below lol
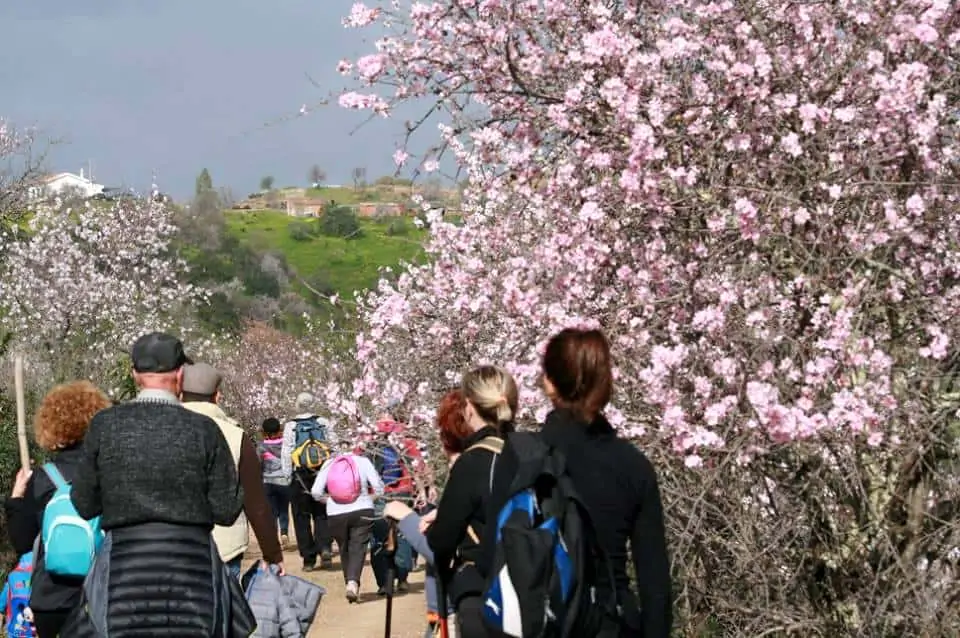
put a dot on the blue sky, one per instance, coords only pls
(172, 86)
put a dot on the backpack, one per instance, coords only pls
(547, 557)
(391, 466)
(70, 543)
(16, 599)
(343, 480)
(310, 449)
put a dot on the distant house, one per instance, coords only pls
(63, 183)
(372, 209)
(305, 206)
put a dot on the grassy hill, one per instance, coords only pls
(338, 265)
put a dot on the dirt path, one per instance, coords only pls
(338, 619)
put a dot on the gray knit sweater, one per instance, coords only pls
(152, 460)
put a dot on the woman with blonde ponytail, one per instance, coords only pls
(490, 406)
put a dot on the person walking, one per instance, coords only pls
(490, 398)
(578, 380)
(309, 517)
(275, 483)
(398, 461)
(201, 394)
(59, 426)
(350, 516)
(160, 477)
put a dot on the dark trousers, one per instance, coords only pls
(352, 531)
(49, 623)
(279, 498)
(310, 523)
(470, 618)
(380, 563)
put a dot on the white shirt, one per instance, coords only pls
(369, 479)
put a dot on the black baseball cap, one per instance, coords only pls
(158, 352)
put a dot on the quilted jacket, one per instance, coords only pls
(160, 581)
(284, 606)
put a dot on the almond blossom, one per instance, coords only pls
(757, 201)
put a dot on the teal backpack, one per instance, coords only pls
(70, 543)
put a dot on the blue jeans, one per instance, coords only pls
(279, 498)
(233, 566)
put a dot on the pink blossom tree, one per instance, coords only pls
(758, 202)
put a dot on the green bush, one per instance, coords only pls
(300, 231)
(340, 222)
(398, 227)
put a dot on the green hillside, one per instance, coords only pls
(331, 263)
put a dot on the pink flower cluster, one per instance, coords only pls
(758, 206)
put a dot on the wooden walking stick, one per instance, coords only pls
(21, 414)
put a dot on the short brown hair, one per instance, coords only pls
(453, 427)
(65, 413)
(578, 364)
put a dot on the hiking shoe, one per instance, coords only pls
(353, 591)
(403, 587)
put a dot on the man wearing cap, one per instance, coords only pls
(160, 477)
(309, 516)
(201, 394)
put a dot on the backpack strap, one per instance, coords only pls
(490, 443)
(58, 481)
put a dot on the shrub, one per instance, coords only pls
(340, 222)
(398, 227)
(300, 231)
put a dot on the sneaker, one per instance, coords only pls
(326, 560)
(353, 591)
(381, 591)
(310, 565)
(284, 541)
(403, 587)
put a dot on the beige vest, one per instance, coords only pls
(231, 541)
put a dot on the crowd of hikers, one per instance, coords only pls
(138, 523)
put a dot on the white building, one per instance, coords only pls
(62, 183)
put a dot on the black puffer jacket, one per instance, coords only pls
(160, 580)
(24, 519)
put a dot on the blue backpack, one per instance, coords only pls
(548, 559)
(70, 543)
(391, 466)
(309, 428)
(16, 599)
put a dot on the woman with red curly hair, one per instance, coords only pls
(59, 428)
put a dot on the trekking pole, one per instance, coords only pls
(390, 549)
(21, 414)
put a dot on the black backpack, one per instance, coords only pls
(544, 578)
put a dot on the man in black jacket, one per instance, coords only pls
(160, 477)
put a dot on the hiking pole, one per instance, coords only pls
(390, 549)
(21, 414)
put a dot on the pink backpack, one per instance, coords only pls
(343, 480)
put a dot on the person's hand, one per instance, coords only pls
(20, 483)
(427, 520)
(397, 510)
(264, 565)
